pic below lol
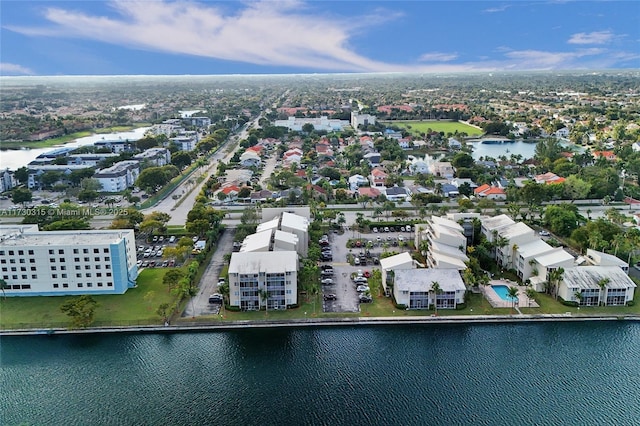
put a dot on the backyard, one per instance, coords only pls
(417, 127)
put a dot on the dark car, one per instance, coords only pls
(365, 298)
(330, 296)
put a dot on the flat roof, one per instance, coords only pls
(291, 220)
(437, 247)
(515, 230)
(447, 222)
(66, 238)
(558, 255)
(260, 241)
(534, 248)
(421, 279)
(391, 262)
(445, 258)
(268, 262)
(587, 277)
(496, 222)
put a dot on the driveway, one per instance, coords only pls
(199, 305)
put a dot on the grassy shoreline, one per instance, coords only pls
(61, 140)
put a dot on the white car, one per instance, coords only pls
(362, 288)
(544, 233)
(326, 281)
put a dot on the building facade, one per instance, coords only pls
(61, 263)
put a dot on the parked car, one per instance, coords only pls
(356, 261)
(216, 298)
(327, 273)
(364, 298)
(386, 229)
(360, 280)
(362, 288)
(327, 267)
(330, 296)
(326, 281)
(544, 233)
(366, 274)
(172, 239)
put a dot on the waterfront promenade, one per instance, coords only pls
(327, 322)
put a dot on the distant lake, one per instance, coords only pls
(526, 149)
(15, 158)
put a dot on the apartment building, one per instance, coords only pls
(61, 263)
(413, 288)
(263, 280)
(118, 177)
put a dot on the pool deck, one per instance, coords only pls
(497, 302)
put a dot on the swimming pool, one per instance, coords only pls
(503, 292)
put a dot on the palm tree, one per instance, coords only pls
(4, 286)
(513, 294)
(603, 291)
(531, 294)
(264, 295)
(435, 288)
(555, 276)
(578, 296)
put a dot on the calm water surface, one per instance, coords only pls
(538, 374)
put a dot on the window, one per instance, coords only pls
(51, 251)
(20, 252)
(98, 274)
(3, 261)
(107, 259)
(86, 259)
(62, 260)
(34, 277)
(108, 274)
(65, 285)
(14, 277)
(5, 277)
(60, 251)
(98, 266)
(75, 251)
(77, 267)
(109, 284)
(14, 269)
(64, 275)
(96, 250)
(107, 266)
(87, 266)
(30, 252)
(99, 284)
(4, 269)
(53, 268)
(96, 259)
(23, 261)
(56, 286)
(11, 252)
(15, 287)
(79, 285)
(105, 250)
(78, 275)
(24, 277)
(22, 269)
(52, 260)
(63, 268)
(26, 286)
(89, 285)
(12, 261)
(54, 276)
(1, 252)
(33, 268)
(88, 274)
(85, 251)
(76, 259)
(32, 261)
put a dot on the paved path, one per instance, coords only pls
(199, 304)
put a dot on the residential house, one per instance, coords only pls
(157, 156)
(596, 285)
(443, 169)
(250, 158)
(373, 158)
(364, 120)
(599, 258)
(378, 178)
(369, 192)
(548, 178)
(454, 143)
(116, 146)
(270, 240)
(445, 242)
(543, 264)
(414, 288)
(607, 155)
(184, 143)
(397, 193)
(562, 133)
(357, 181)
(89, 160)
(490, 192)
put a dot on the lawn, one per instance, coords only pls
(548, 305)
(136, 306)
(417, 127)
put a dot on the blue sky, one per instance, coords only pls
(263, 37)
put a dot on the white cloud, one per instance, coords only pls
(596, 37)
(288, 33)
(437, 57)
(14, 69)
(497, 9)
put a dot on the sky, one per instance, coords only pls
(149, 37)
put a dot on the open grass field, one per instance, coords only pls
(136, 306)
(417, 127)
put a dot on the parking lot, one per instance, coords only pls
(151, 254)
(343, 286)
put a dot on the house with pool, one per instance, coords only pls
(413, 288)
(596, 285)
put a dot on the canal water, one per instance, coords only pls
(511, 374)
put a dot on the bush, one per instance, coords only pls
(631, 303)
(461, 306)
(293, 306)
(401, 306)
(232, 308)
(570, 303)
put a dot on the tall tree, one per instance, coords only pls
(81, 310)
(436, 290)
